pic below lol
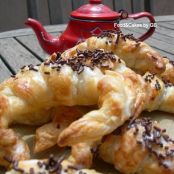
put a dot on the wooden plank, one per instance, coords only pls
(159, 7)
(12, 14)
(27, 31)
(155, 35)
(76, 4)
(109, 3)
(162, 52)
(165, 18)
(138, 6)
(15, 54)
(59, 11)
(165, 31)
(32, 9)
(43, 11)
(171, 22)
(4, 71)
(167, 25)
(123, 4)
(160, 45)
(32, 44)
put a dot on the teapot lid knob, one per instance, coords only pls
(95, 1)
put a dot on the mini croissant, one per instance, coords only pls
(141, 147)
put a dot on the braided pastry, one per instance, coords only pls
(89, 78)
(168, 74)
(137, 55)
(85, 78)
(139, 147)
(47, 135)
(126, 94)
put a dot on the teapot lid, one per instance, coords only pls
(95, 10)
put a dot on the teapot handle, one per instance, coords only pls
(124, 15)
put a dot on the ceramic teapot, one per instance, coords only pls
(90, 19)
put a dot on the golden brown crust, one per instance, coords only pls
(141, 147)
(82, 155)
(119, 92)
(11, 146)
(137, 55)
(168, 74)
(47, 135)
(44, 166)
(118, 95)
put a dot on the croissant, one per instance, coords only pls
(141, 147)
(168, 74)
(50, 166)
(125, 95)
(137, 55)
(88, 78)
(12, 146)
(47, 135)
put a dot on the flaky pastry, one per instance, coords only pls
(47, 135)
(12, 146)
(137, 55)
(86, 76)
(48, 166)
(141, 147)
(168, 74)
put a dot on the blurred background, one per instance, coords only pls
(13, 13)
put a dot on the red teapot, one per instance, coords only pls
(89, 19)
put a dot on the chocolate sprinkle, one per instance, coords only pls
(51, 165)
(31, 67)
(97, 58)
(157, 85)
(153, 137)
(13, 76)
(47, 73)
(149, 77)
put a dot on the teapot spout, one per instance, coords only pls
(47, 42)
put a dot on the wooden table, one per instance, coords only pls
(20, 47)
